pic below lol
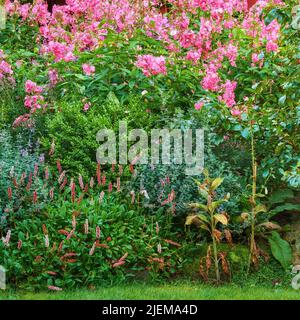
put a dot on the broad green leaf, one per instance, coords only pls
(285, 207)
(281, 250)
(280, 196)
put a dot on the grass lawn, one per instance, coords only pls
(163, 292)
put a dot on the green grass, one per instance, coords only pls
(163, 292)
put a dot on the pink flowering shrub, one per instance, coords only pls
(213, 44)
(152, 66)
(6, 71)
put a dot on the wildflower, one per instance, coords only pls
(35, 197)
(35, 170)
(70, 235)
(46, 239)
(60, 246)
(80, 180)
(24, 119)
(53, 77)
(101, 196)
(73, 194)
(86, 226)
(9, 193)
(229, 96)
(86, 106)
(132, 193)
(32, 87)
(120, 169)
(61, 177)
(74, 222)
(92, 182)
(199, 105)
(7, 238)
(118, 264)
(64, 232)
(98, 232)
(29, 182)
(46, 173)
(235, 112)
(63, 184)
(157, 228)
(52, 148)
(159, 248)
(20, 243)
(51, 193)
(88, 69)
(110, 186)
(151, 65)
(68, 255)
(44, 229)
(58, 165)
(172, 243)
(92, 249)
(118, 184)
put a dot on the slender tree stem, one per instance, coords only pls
(253, 198)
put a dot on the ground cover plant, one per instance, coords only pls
(68, 221)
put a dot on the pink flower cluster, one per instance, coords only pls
(33, 100)
(151, 65)
(83, 25)
(88, 69)
(6, 71)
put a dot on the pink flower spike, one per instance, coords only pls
(199, 105)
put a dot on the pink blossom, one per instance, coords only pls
(46, 241)
(53, 76)
(235, 112)
(98, 232)
(199, 105)
(86, 106)
(32, 87)
(20, 243)
(88, 69)
(211, 81)
(7, 238)
(229, 97)
(151, 65)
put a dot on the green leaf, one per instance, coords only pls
(216, 183)
(282, 100)
(285, 207)
(280, 196)
(245, 133)
(281, 249)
